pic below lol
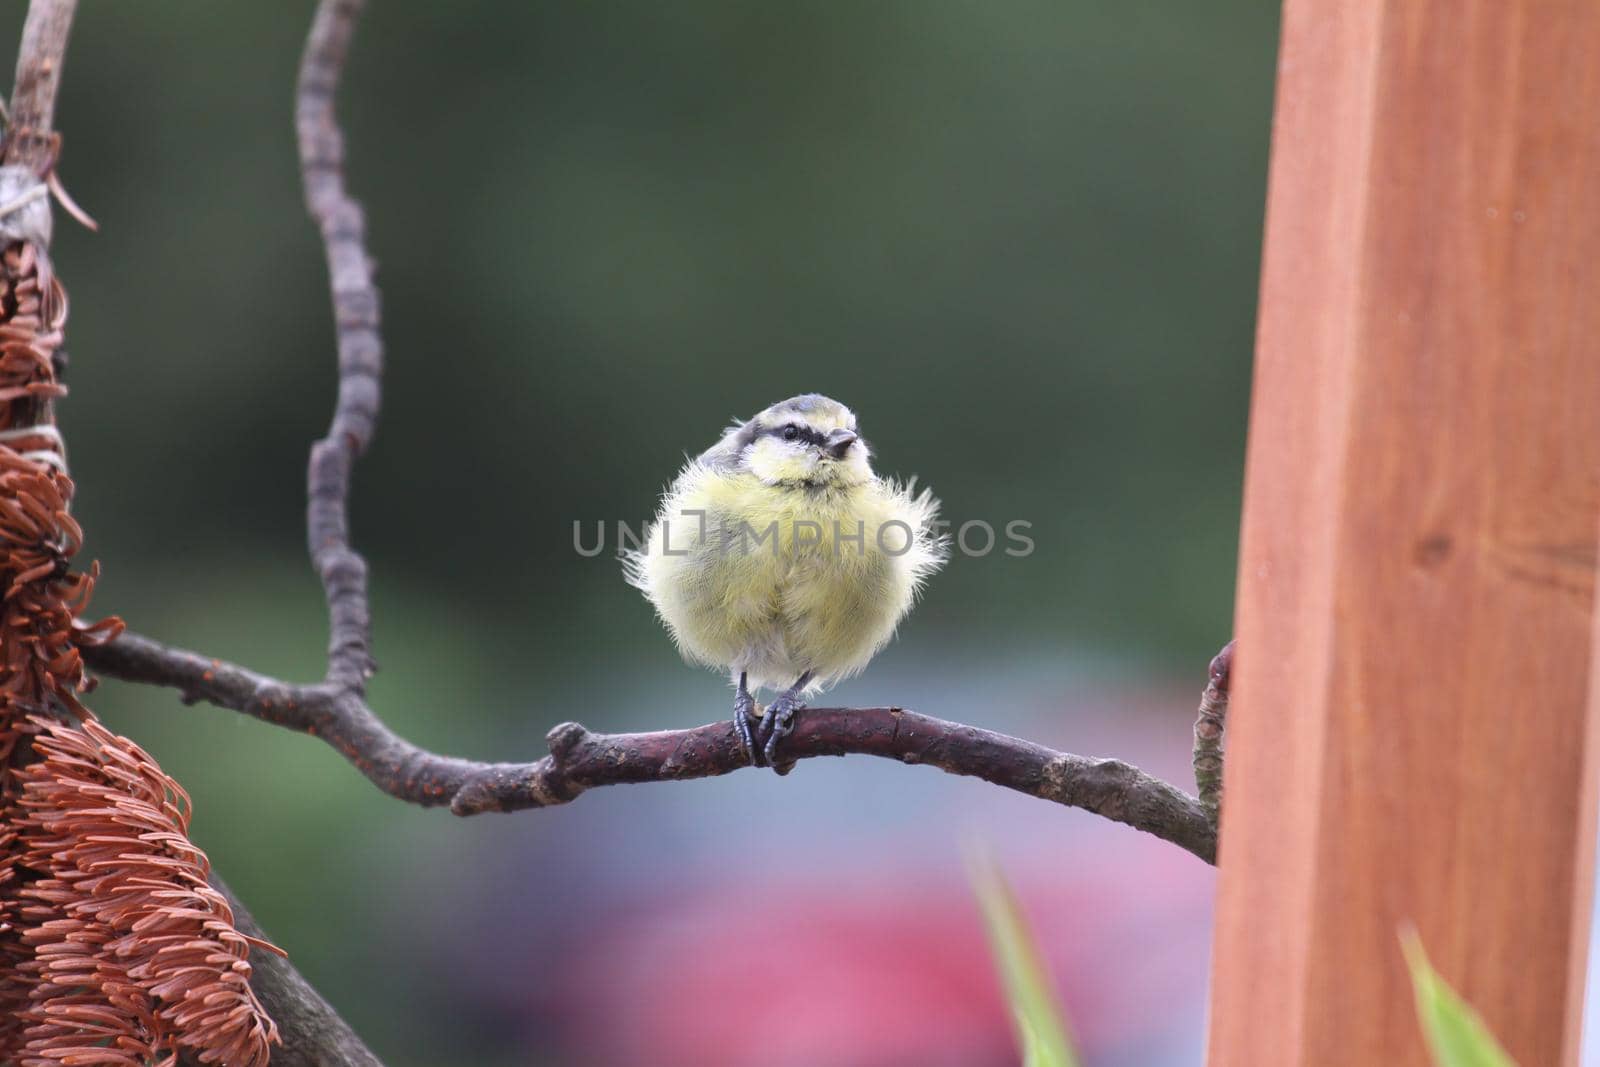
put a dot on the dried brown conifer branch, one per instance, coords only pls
(113, 948)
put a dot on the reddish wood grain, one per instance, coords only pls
(1412, 725)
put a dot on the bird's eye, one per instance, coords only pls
(790, 432)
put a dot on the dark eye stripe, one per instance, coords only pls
(806, 433)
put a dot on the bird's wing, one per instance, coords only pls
(724, 455)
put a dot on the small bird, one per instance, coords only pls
(779, 556)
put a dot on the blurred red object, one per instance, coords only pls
(806, 974)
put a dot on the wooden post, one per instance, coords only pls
(1412, 733)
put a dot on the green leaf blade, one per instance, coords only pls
(1042, 1033)
(1455, 1032)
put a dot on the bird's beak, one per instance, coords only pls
(839, 442)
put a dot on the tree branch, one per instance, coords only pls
(313, 1033)
(30, 141)
(355, 313)
(1208, 730)
(581, 760)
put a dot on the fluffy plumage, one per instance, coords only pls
(778, 551)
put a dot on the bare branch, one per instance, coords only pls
(313, 1034)
(581, 760)
(355, 311)
(1208, 730)
(29, 140)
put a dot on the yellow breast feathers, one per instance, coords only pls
(776, 581)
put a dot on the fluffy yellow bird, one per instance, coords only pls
(780, 557)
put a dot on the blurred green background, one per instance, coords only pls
(1019, 238)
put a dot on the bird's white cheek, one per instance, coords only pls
(771, 462)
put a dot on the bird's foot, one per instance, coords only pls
(747, 720)
(778, 723)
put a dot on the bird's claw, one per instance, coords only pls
(777, 724)
(746, 720)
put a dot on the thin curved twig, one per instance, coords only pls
(355, 314)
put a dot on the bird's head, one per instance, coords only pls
(805, 442)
